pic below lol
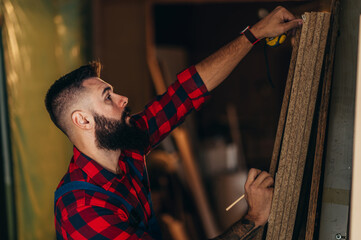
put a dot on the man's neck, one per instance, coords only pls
(106, 158)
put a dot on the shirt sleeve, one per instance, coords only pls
(167, 111)
(95, 222)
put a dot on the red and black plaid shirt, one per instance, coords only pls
(83, 214)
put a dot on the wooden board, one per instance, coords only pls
(322, 123)
(283, 113)
(298, 125)
(323, 26)
(284, 108)
(276, 211)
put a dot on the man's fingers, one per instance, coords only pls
(261, 177)
(289, 21)
(252, 175)
(287, 16)
(268, 182)
(292, 24)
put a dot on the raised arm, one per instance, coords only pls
(214, 69)
(192, 88)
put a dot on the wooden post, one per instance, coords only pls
(180, 135)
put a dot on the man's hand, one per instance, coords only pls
(274, 24)
(259, 192)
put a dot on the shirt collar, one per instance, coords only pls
(98, 174)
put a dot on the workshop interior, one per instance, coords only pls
(201, 168)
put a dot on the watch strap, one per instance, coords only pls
(249, 35)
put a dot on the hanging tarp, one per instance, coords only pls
(42, 40)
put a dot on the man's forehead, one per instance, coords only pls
(95, 83)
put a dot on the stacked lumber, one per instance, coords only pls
(294, 130)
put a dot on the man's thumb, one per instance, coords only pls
(292, 24)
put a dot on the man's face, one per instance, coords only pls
(113, 128)
(104, 101)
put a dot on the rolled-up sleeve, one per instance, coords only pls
(167, 111)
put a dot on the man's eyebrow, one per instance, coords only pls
(106, 90)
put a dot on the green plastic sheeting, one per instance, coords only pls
(43, 39)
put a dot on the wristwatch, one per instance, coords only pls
(249, 35)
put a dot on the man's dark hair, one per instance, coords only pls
(64, 91)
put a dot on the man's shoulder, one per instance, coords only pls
(72, 174)
(84, 200)
(70, 199)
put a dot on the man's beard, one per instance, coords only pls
(113, 134)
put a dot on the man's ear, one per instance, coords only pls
(82, 120)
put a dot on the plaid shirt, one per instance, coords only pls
(84, 214)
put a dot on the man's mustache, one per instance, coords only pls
(126, 113)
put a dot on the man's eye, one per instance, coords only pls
(109, 97)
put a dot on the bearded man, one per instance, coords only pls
(105, 193)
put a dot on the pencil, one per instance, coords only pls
(234, 203)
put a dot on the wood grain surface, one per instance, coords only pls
(298, 125)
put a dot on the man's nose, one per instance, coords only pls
(123, 101)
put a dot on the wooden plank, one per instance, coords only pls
(295, 124)
(298, 123)
(322, 123)
(324, 20)
(298, 126)
(176, 228)
(276, 211)
(284, 108)
(283, 113)
(307, 105)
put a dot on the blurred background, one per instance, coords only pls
(42, 40)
